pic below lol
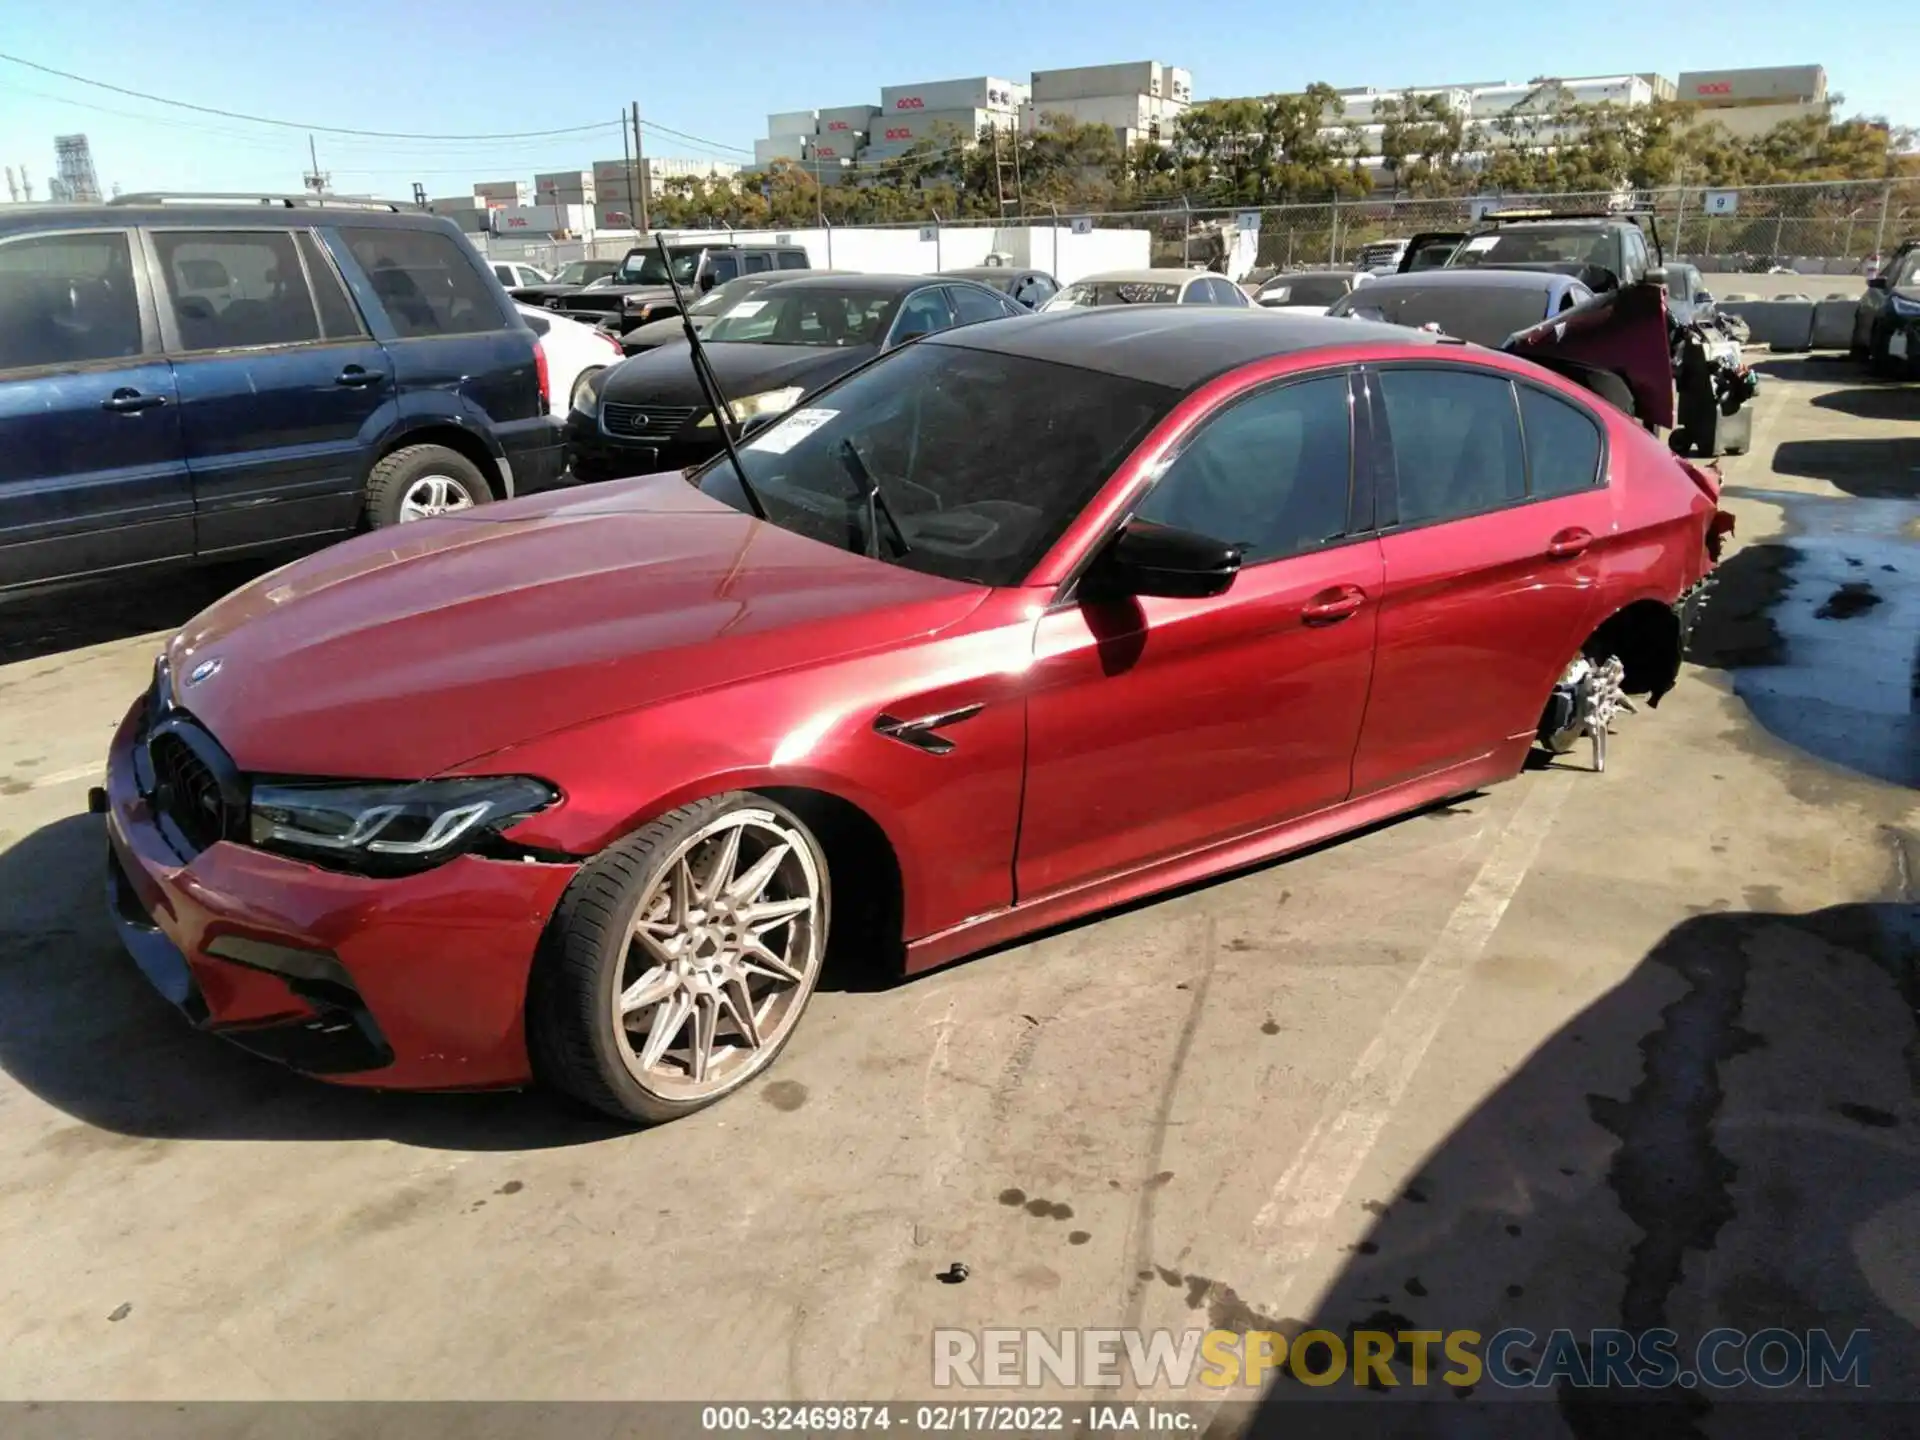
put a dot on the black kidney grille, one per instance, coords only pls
(645, 422)
(187, 792)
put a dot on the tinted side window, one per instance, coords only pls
(425, 284)
(924, 312)
(1272, 473)
(1563, 445)
(727, 267)
(973, 306)
(67, 299)
(1456, 443)
(233, 289)
(793, 260)
(339, 320)
(504, 274)
(757, 263)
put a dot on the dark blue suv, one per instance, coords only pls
(203, 379)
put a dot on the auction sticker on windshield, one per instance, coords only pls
(1482, 242)
(791, 431)
(747, 307)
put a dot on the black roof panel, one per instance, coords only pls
(1179, 346)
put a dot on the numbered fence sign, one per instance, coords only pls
(1479, 205)
(1722, 202)
(929, 233)
(1247, 220)
(1083, 224)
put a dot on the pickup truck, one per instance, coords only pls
(639, 291)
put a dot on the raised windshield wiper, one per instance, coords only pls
(710, 387)
(877, 506)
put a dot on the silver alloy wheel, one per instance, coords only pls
(434, 495)
(722, 952)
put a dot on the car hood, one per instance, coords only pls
(405, 652)
(665, 375)
(656, 333)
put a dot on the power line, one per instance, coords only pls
(695, 139)
(299, 124)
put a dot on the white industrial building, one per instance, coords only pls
(1139, 99)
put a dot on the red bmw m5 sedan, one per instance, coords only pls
(1043, 615)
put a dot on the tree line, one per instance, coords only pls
(1283, 149)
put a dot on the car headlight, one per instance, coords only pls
(1900, 305)
(388, 827)
(586, 390)
(752, 407)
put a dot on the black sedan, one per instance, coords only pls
(1484, 306)
(647, 413)
(704, 311)
(1029, 289)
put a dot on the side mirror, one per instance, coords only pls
(706, 281)
(1149, 559)
(1657, 275)
(1703, 297)
(1877, 282)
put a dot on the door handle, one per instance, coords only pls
(356, 376)
(1333, 605)
(1569, 543)
(128, 401)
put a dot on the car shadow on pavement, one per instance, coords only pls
(53, 621)
(1880, 402)
(1727, 1138)
(81, 1029)
(1868, 468)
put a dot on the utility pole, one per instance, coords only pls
(317, 181)
(640, 165)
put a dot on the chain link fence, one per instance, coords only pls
(1820, 227)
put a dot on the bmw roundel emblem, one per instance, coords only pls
(203, 670)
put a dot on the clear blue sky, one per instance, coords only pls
(716, 69)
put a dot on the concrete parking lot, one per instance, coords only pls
(1582, 1051)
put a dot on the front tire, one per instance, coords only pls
(681, 959)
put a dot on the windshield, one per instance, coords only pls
(1305, 289)
(1538, 245)
(1113, 292)
(982, 458)
(716, 300)
(579, 272)
(807, 317)
(644, 267)
(1486, 315)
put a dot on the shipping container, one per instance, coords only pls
(455, 202)
(567, 184)
(1770, 82)
(925, 124)
(1364, 108)
(503, 192)
(1097, 82)
(792, 122)
(985, 92)
(841, 119)
(782, 147)
(1133, 112)
(846, 145)
(472, 219)
(540, 219)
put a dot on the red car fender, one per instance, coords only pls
(950, 817)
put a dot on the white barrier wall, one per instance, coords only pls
(1055, 249)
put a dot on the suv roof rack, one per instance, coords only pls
(284, 202)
